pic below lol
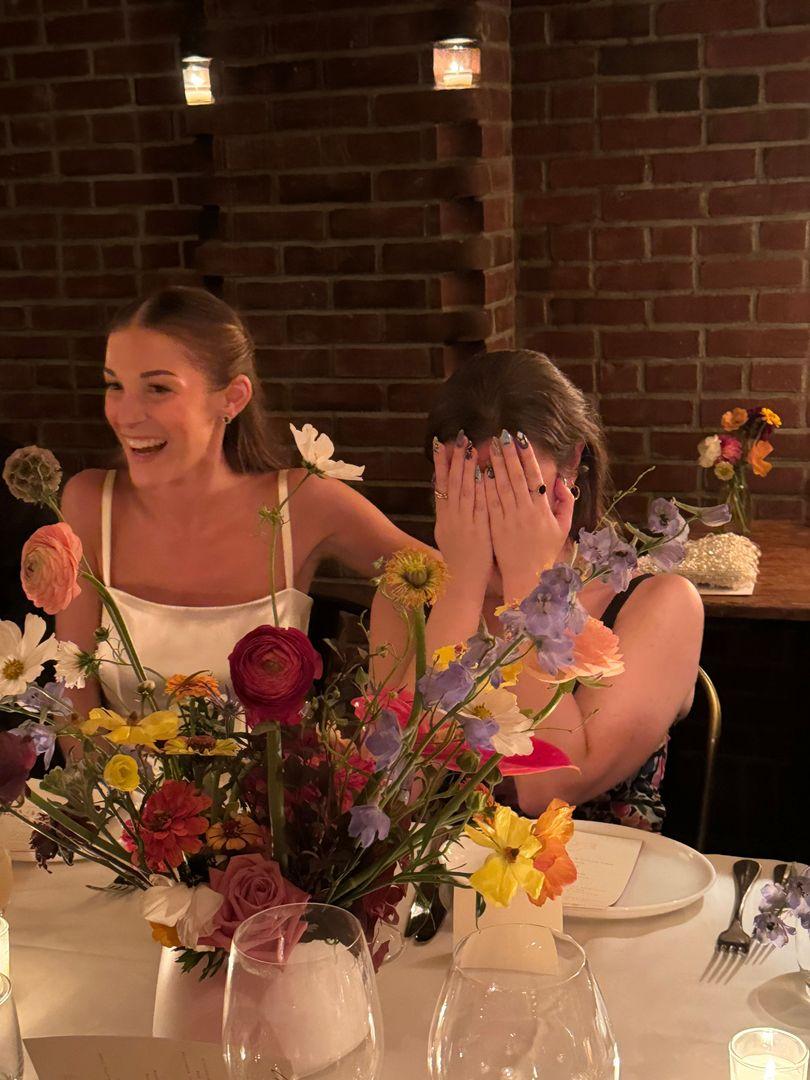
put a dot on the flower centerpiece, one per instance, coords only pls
(217, 802)
(745, 441)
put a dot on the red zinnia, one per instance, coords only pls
(170, 825)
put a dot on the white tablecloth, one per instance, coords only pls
(83, 963)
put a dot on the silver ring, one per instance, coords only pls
(439, 494)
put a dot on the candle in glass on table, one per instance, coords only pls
(767, 1054)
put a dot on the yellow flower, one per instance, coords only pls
(511, 864)
(413, 578)
(724, 470)
(202, 745)
(165, 935)
(239, 833)
(554, 830)
(121, 772)
(131, 732)
(443, 657)
(511, 672)
(733, 419)
(770, 417)
(182, 687)
(756, 457)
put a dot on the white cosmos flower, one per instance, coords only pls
(70, 665)
(190, 911)
(709, 451)
(317, 449)
(23, 654)
(514, 735)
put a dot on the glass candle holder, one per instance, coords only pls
(767, 1054)
(456, 64)
(197, 80)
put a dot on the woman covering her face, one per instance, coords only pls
(175, 533)
(520, 467)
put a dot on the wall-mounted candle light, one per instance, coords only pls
(456, 63)
(197, 80)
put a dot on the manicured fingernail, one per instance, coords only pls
(436, 445)
(506, 438)
(461, 438)
(495, 445)
(477, 474)
(468, 453)
(490, 472)
(521, 440)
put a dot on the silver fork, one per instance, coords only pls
(735, 939)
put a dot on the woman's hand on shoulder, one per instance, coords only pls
(462, 522)
(529, 528)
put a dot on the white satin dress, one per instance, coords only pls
(173, 639)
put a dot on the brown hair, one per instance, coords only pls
(219, 345)
(523, 391)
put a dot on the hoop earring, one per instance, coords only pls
(575, 491)
(227, 419)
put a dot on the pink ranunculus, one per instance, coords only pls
(730, 449)
(272, 669)
(250, 884)
(17, 757)
(50, 567)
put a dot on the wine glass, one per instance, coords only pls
(301, 998)
(520, 1003)
(11, 1054)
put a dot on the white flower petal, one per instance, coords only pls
(316, 450)
(10, 638)
(32, 635)
(68, 669)
(342, 470)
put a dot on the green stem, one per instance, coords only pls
(275, 795)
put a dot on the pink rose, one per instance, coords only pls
(730, 449)
(50, 567)
(272, 669)
(251, 883)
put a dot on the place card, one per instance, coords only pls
(107, 1057)
(604, 865)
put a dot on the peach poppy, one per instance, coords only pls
(756, 457)
(554, 830)
(733, 419)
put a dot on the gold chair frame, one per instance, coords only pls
(712, 739)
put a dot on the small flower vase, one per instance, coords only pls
(187, 1007)
(738, 498)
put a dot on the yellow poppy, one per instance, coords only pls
(131, 732)
(511, 864)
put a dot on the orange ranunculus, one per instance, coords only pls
(596, 656)
(554, 829)
(182, 687)
(50, 567)
(756, 457)
(733, 419)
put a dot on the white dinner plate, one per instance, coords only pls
(668, 875)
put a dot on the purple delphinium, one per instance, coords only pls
(446, 688)
(385, 739)
(368, 823)
(478, 732)
(713, 516)
(798, 898)
(664, 518)
(51, 697)
(605, 550)
(768, 927)
(554, 653)
(668, 555)
(43, 738)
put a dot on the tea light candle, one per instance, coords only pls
(4, 950)
(767, 1054)
(197, 80)
(456, 63)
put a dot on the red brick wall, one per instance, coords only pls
(661, 199)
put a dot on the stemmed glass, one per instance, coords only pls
(301, 998)
(511, 1009)
(11, 1054)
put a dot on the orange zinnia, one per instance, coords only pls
(756, 457)
(181, 687)
(733, 419)
(554, 829)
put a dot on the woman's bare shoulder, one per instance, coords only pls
(669, 597)
(82, 493)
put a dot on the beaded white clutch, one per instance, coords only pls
(719, 560)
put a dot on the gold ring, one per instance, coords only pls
(439, 494)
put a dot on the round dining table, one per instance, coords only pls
(83, 963)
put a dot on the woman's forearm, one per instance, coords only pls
(454, 617)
